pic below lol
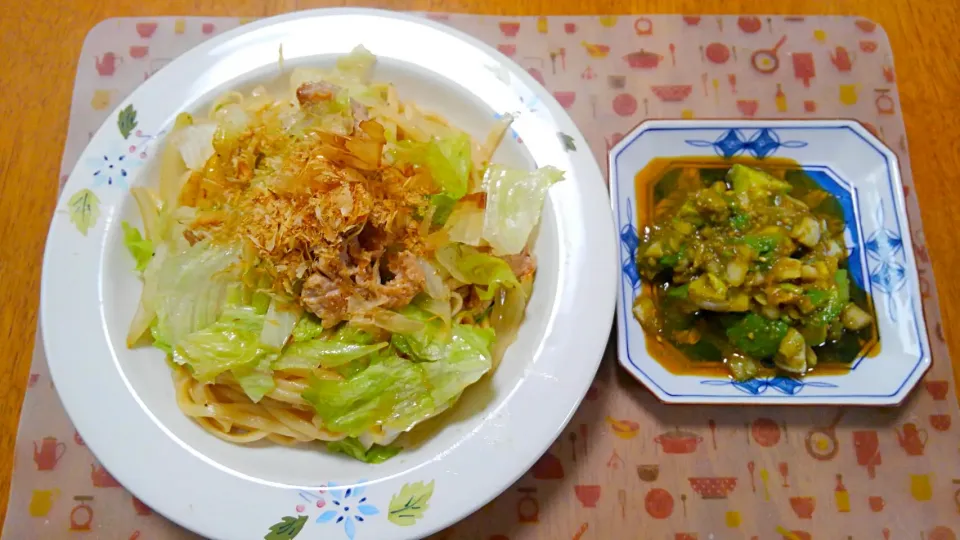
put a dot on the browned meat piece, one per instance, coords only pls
(522, 264)
(316, 92)
(408, 281)
(325, 299)
(359, 111)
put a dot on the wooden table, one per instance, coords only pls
(42, 39)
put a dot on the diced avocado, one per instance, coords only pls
(742, 368)
(669, 260)
(709, 288)
(817, 297)
(786, 269)
(678, 292)
(745, 179)
(762, 243)
(829, 310)
(740, 221)
(843, 285)
(814, 335)
(757, 336)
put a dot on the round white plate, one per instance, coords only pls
(122, 401)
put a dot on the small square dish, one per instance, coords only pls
(740, 274)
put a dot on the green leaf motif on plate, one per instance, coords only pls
(127, 121)
(409, 505)
(84, 208)
(567, 141)
(288, 527)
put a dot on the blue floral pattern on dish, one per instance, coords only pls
(886, 262)
(111, 169)
(784, 385)
(733, 142)
(116, 164)
(630, 241)
(349, 507)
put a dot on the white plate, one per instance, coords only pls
(122, 401)
(849, 162)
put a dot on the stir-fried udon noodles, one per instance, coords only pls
(331, 263)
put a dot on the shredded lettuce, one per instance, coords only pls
(385, 393)
(308, 327)
(196, 145)
(358, 64)
(397, 393)
(465, 224)
(354, 448)
(344, 346)
(325, 353)
(449, 163)
(231, 342)
(192, 289)
(159, 342)
(471, 266)
(468, 358)
(281, 318)
(429, 343)
(514, 202)
(437, 343)
(140, 249)
(256, 378)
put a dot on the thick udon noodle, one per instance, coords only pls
(283, 416)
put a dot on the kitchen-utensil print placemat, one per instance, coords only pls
(626, 466)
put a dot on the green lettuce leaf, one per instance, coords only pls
(514, 202)
(467, 359)
(469, 265)
(358, 64)
(397, 393)
(280, 320)
(448, 160)
(429, 343)
(353, 448)
(158, 341)
(256, 378)
(344, 346)
(324, 353)
(391, 392)
(140, 248)
(307, 328)
(193, 288)
(233, 341)
(465, 224)
(443, 207)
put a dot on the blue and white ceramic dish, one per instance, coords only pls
(853, 165)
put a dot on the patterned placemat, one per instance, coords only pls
(627, 466)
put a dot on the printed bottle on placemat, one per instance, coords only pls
(842, 495)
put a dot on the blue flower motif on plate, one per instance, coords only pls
(784, 385)
(886, 261)
(120, 160)
(630, 241)
(733, 142)
(348, 507)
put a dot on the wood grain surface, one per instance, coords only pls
(41, 40)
